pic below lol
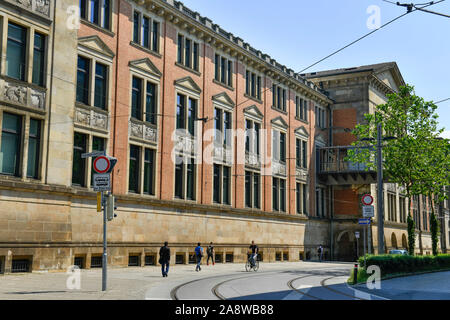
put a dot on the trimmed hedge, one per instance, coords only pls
(405, 263)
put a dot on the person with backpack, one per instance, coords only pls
(210, 253)
(320, 252)
(199, 255)
(164, 259)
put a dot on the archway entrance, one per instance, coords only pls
(346, 247)
(394, 241)
(404, 242)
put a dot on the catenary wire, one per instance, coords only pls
(366, 35)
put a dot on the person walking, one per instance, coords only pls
(199, 255)
(210, 253)
(320, 252)
(164, 259)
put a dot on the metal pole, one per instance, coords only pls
(104, 261)
(369, 236)
(364, 235)
(380, 198)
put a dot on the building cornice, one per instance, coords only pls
(213, 34)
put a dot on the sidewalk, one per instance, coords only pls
(127, 283)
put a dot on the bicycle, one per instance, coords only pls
(248, 265)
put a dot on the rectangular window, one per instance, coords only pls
(136, 19)
(186, 116)
(98, 144)
(230, 73)
(252, 189)
(187, 53)
(16, 52)
(221, 192)
(247, 82)
(192, 115)
(282, 195)
(105, 14)
(11, 144)
(217, 67)
(190, 179)
(253, 85)
(94, 11)
(136, 97)
(150, 103)
(34, 147)
(279, 97)
(256, 190)
(83, 8)
(180, 49)
(222, 127)
(216, 183)
(223, 70)
(298, 154)
(155, 35)
(79, 164)
(301, 198)
(100, 86)
(282, 147)
(38, 59)
(149, 169)
(145, 32)
(248, 189)
(83, 80)
(195, 56)
(179, 178)
(133, 177)
(181, 110)
(304, 155)
(275, 194)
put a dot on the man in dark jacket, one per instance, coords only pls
(164, 259)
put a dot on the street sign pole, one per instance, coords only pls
(364, 235)
(104, 257)
(369, 237)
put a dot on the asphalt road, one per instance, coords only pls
(273, 281)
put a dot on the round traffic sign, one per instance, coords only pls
(367, 199)
(101, 164)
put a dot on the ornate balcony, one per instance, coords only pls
(333, 169)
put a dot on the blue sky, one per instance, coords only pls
(298, 33)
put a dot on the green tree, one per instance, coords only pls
(434, 179)
(413, 122)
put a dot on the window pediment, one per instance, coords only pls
(145, 66)
(188, 84)
(224, 99)
(253, 112)
(279, 122)
(94, 43)
(301, 132)
(320, 141)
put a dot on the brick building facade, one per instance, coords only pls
(151, 82)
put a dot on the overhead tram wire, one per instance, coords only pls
(368, 34)
(442, 101)
(412, 5)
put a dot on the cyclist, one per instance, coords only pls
(254, 253)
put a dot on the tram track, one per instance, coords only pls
(215, 290)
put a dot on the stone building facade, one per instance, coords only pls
(357, 91)
(150, 82)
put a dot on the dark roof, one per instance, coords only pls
(370, 67)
